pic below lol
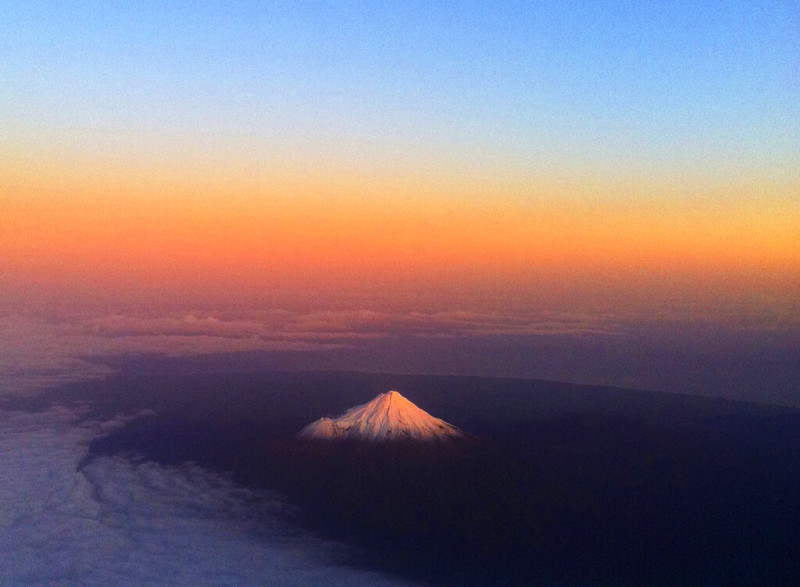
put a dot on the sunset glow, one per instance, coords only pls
(401, 292)
(171, 238)
(254, 156)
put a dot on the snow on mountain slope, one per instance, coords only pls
(389, 416)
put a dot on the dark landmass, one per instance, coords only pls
(568, 484)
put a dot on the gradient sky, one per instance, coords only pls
(411, 154)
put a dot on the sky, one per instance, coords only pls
(187, 178)
(597, 192)
(400, 155)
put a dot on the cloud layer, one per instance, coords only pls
(738, 355)
(118, 522)
(36, 352)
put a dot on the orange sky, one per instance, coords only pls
(407, 155)
(299, 239)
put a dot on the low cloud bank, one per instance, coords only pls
(739, 356)
(37, 352)
(121, 522)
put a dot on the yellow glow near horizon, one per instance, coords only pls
(167, 231)
(102, 221)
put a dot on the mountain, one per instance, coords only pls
(569, 484)
(388, 417)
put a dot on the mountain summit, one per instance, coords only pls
(388, 417)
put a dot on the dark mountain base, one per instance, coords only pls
(455, 513)
(567, 485)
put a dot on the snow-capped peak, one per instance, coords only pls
(389, 416)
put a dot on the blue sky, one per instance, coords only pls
(663, 85)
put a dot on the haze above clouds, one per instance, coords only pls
(736, 356)
(35, 351)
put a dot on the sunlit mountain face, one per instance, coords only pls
(388, 418)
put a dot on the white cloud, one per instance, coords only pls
(120, 523)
